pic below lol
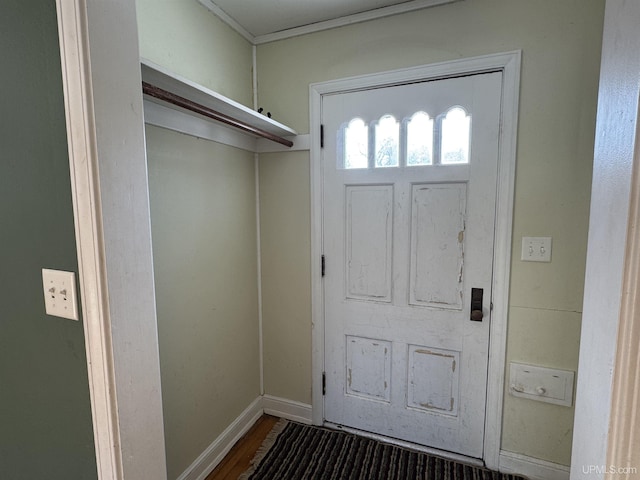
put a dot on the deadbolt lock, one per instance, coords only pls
(476, 305)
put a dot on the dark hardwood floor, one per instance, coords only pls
(239, 457)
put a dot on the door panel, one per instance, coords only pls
(369, 225)
(438, 391)
(409, 192)
(368, 368)
(437, 239)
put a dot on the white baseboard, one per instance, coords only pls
(289, 409)
(213, 455)
(532, 468)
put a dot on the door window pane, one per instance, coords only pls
(356, 144)
(419, 140)
(387, 133)
(456, 133)
(443, 140)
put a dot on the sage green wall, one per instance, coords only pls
(188, 39)
(203, 221)
(45, 411)
(560, 41)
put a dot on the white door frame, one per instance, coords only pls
(509, 64)
(606, 410)
(105, 133)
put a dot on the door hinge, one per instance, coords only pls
(321, 136)
(322, 265)
(324, 383)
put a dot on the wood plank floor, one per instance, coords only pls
(239, 457)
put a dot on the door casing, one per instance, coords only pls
(509, 64)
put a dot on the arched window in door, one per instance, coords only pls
(455, 137)
(419, 140)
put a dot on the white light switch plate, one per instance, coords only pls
(536, 249)
(60, 293)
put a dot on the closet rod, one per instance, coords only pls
(187, 104)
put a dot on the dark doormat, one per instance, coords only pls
(293, 451)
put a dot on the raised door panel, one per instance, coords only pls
(369, 223)
(437, 245)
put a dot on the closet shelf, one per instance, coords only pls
(171, 90)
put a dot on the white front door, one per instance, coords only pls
(409, 199)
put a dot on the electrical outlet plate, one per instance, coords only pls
(536, 249)
(60, 293)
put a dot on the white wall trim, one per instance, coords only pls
(606, 289)
(624, 433)
(509, 64)
(405, 7)
(81, 137)
(289, 409)
(502, 258)
(254, 76)
(256, 169)
(220, 447)
(532, 468)
(113, 234)
(215, 453)
(222, 15)
(256, 166)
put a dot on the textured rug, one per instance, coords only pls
(293, 451)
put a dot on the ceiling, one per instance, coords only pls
(261, 21)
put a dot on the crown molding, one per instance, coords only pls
(222, 15)
(405, 7)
